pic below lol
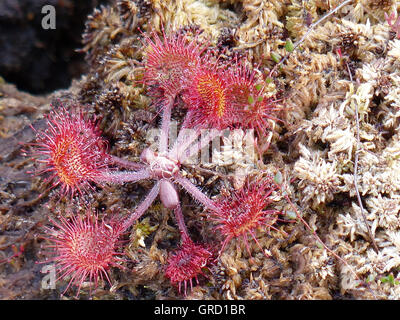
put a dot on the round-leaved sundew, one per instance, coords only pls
(247, 93)
(207, 100)
(83, 248)
(241, 213)
(187, 263)
(170, 62)
(72, 150)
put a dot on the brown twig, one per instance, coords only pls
(311, 28)
(318, 239)
(355, 175)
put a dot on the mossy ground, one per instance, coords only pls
(314, 147)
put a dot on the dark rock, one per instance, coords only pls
(39, 60)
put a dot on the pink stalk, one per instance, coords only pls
(205, 140)
(181, 223)
(142, 207)
(196, 193)
(188, 119)
(119, 177)
(184, 140)
(126, 163)
(394, 24)
(165, 123)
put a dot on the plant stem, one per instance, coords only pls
(184, 140)
(181, 223)
(374, 245)
(126, 163)
(311, 28)
(120, 177)
(165, 123)
(142, 207)
(205, 140)
(196, 193)
(285, 194)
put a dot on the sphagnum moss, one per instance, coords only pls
(319, 122)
